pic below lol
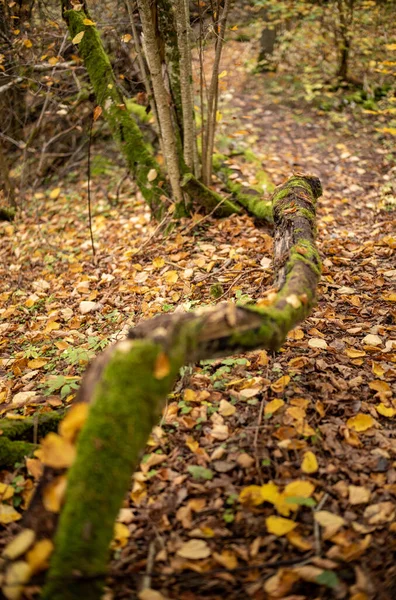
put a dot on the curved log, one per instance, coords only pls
(127, 385)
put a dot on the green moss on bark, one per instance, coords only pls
(126, 405)
(12, 452)
(27, 429)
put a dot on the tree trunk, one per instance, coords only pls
(125, 389)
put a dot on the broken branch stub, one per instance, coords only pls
(127, 385)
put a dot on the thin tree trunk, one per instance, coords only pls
(345, 13)
(126, 387)
(213, 96)
(182, 17)
(161, 97)
(143, 70)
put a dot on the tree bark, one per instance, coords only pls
(162, 98)
(126, 387)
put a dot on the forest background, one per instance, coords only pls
(269, 474)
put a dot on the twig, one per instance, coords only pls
(89, 186)
(206, 217)
(318, 544)
(146, 581)
(152, 235)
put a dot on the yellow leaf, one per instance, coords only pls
(222, 74)
(27, 43)
(269, 493)
(38, 556)
(121, 535)
(56, 452)
(226, 409)
(377, 369)
(354, 353)
(37, 363)
(8, 514)
(194, 550)
(52, 326)
(390, 130)
(279, 526)
(300, 488)
(88, 22)
(73, 422)
(279, 385)
(299, 542)
(386, 411)
(331, 522)
(162, 366)
(17, 574)
(295, 334)
(380, 386)
(304, 429)
(54, 194)
(6, 491)
(77, 38)
(234, 28)
(189, 395)
(53, 60)
(158, 263)
(171, 277)
(391, 297)
(360, 422)
(309, 463)
(226, 559)
(54, 493)
(251, 495)
(20, 544)
(273, 406)
(126, 38)
(390, 47)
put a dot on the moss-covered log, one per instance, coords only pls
(12, 452)
(7, 214)
(249, 197)
(127, 385)
(207, 197)
(31, 428)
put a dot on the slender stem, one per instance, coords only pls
(212, 97)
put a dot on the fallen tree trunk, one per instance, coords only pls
(125, 389)
(19, 439)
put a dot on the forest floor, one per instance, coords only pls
(319, 411)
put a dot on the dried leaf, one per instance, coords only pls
(77, 38)
(194, 550)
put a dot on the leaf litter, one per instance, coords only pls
(267, 476)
